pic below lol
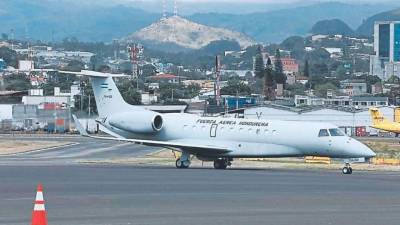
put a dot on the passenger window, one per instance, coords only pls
(323, 133)
(336, 132)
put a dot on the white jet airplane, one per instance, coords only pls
(215, 138)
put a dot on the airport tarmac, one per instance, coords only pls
(90, 194)
(83, 194)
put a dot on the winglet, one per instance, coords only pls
(79, 126)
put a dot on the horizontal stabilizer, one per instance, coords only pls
(94, 74)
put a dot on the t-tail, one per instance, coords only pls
(108, 98)
(377, 117)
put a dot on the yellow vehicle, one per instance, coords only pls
(382, 123)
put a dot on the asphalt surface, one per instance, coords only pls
(80, 148)
(100, 194)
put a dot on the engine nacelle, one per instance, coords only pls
(137, 121)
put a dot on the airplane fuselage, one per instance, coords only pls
(254, 138)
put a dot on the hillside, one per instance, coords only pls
(93, 21)
(65, 18)
(367, 27)
(187, 34)
(331, 27)
(275, 26)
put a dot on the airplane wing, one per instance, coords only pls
(188, 145)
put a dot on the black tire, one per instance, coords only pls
(350, 170)
(178, 163)
(220, 164)
(185, 164)
(345, 170)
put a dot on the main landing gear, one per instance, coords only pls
(184, 161)
(347, 169)
(222, 164)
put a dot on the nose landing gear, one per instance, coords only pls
(347, 169)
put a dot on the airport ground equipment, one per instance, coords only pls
(39, 212)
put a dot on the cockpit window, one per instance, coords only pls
(323, 133)
(336, 132)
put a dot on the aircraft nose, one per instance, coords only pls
(364, 151)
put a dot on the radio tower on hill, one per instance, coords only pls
(175, 8)
(164, 10)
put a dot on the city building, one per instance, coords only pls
(289, 65)
(168, 78)
(386, 59)
(341, 101)
(353, 87)
(334, 52)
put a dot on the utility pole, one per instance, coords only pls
(12, 39)
(217, 91)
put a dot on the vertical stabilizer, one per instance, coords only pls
(377, 117)
(108, 98)
(397, 114)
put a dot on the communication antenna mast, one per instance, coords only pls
(217, 80)
(135, 53)
(12, 39)
(164, 10)
(175, 8)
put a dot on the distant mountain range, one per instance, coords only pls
(367, 27)
(88, 21)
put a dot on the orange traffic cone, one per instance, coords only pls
(39, 212)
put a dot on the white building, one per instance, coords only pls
(341, 101)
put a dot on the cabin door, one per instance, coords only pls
(213, 130)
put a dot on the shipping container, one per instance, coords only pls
(239, 102)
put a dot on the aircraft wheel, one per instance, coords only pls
(182, 164)
(347, 170)
(185, 164)
(178, 163)
(350, 170)
(220, 164)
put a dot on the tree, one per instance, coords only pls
(306, 71)
(236, 87)
(259, 69)
(269, 83)
(9, 56)
(75, 65)
(128, 91)
(4, 36)
(18, 82)
(280, 77)
(321, 89)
